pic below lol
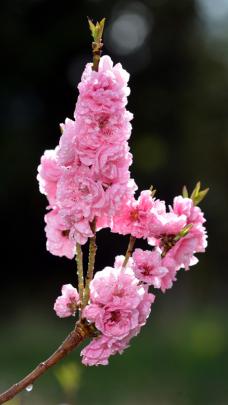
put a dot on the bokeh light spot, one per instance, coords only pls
(128, 32)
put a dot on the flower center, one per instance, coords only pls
(146, 270)
(115, 316)
(134, 214)
(83, 189)
(65, 233)
(102, 122)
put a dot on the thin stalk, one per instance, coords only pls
(129, 251)
(79, 260)
(97, 33)
(91, 262)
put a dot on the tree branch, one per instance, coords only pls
(81, 332)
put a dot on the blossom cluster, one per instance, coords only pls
(120, 302)
(87, 175)
(86, 179)
(119, 306)
(174, 248)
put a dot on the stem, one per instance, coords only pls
(91, 262)
(79, 259)
(80, 332)
(97, 33)
(129, 250)
(96, 55)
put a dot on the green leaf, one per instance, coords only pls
(185, 192)
(91, 26)
(96, 30)
(201, 195)
(101, 28)
(196, 190)
(153, 191)
(198, 195)
(183, 232)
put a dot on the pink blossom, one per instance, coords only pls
(113, 320)
(166, 223)
(170, 264)
(138, 216)
(58, 242)
(111, 164)
(88, 176)
(186, 207)
(49, 173)
(118, 307)
(172, 224)
(144, 309)
(67, 303)
(98, 351)
(78, 191)
(81, 231)
(183, 251)
(67, 150)
(148, 268)
(116, 287)
(95, 129)
(104, 90)
(117, 196)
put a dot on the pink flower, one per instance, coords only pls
(170, 264)
(81, 231)
(113, 321)
(138, 216)
(88, 176)
(183, 251)
(67, 303)
(100, 349)
(117, 196)
(67, 150)
(105, 90)
(58, 242)
(172, 224)
(111, 164)
(119, 306)
(116, 287)
(78, 191)
(148, 268)
(49, 173)
(95, 129)
(164, 224)
(185, 206)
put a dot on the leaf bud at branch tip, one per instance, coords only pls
(96, 32)
(153, 191)
(198, 195)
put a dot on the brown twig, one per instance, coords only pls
(79, 260)
(129, 250)
(81, 332)
(96, 55)
(91, 262)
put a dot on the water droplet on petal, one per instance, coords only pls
(29, 388)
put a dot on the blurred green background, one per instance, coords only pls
(177, 54)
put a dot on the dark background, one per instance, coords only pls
(177, 54)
